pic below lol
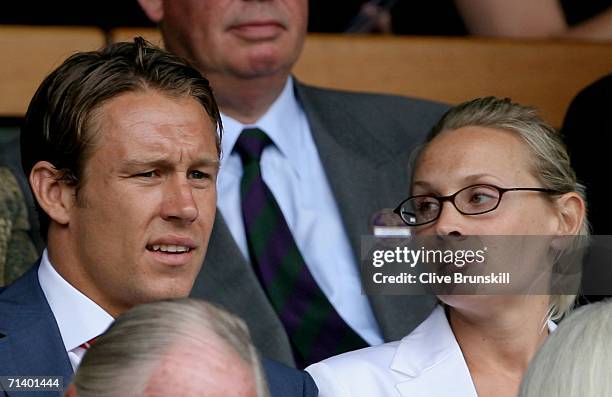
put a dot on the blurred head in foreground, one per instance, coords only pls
(575, 360)
(181, 347)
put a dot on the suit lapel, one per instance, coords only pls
(228, 279)
(31, 343)
(445, 379)
(432, 361)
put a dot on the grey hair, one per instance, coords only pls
(122, 360)
(551, 161)
(575, 359)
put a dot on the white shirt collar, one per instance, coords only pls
(79, 318)
(283, 123)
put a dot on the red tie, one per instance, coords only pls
(87, 345)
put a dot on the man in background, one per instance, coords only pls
(303, 172)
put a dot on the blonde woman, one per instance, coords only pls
(489, 167)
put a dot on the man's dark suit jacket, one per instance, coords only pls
(364, 142)
(31, 344)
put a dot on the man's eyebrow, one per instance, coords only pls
(163, 162)
(206, 162)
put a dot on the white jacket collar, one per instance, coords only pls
(431, 357)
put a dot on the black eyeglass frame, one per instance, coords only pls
(451, 198)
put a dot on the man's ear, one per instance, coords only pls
(54, 196)
(153, 8)
(71, 391)
(572, 212)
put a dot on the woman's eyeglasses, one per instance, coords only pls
(472, 200)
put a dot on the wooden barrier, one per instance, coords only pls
(127, 34)
(30, 53)
(543, 73)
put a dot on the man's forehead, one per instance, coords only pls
(152, 107)
(143, 123)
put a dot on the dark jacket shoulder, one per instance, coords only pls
(285, 381)
(392, 121)
(385, 104)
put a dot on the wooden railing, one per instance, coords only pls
(543, 73)
(30, 53)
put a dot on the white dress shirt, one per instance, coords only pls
(293, 171)
(426, 363)
(79, 319)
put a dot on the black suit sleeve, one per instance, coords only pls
(285, 381)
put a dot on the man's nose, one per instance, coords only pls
(179, 203)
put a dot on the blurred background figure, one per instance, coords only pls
(20, 239)
(496, 18)
(534, 19)
(182, 347)
(575, 360)
(587, 130)
(17, 252)
(491, 18)
(374, 17)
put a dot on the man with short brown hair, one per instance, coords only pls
(122, 153)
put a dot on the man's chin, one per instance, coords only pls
(161, 286)
(165, 292)
(262, 60)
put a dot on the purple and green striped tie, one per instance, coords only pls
(314, 327)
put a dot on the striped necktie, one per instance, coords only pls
(314, 327)
(88, 344)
